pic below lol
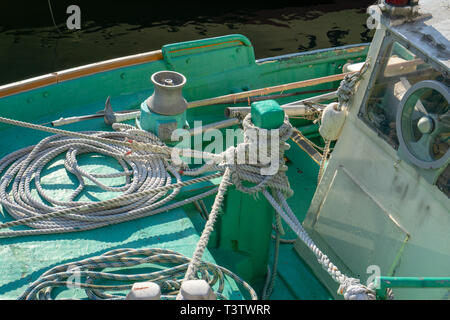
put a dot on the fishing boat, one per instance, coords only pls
(196, 172)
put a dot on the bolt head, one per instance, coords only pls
(425, 125)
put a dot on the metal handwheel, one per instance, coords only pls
(423, 124)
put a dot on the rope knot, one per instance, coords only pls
(347, 86)
(352, 289)
(259, 159)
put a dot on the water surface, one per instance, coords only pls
(31, 44)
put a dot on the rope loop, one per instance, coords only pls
(259, 159)
(352, 289)
(153, 174)
(111, 284)
(346, 88)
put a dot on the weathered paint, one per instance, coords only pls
(372, 209)
(211, 70)
(383, 283)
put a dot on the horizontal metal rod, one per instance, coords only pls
(216, 125)
(64, 121)
(315, 99)
(297, 108)
(273, 96)
(123, 115)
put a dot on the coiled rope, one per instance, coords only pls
(89, 274)
(147, 190)
(249, 171)
(278, 184)
(235, 172)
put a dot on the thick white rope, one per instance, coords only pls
(350, 288)
(234, 171)
(145, 192)
(148, 148)
(100, 280)
(237, 172)
(209, 227)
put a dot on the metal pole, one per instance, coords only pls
(296, 108)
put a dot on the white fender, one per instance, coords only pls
(144, 291)
(332, 122)
(196, 290)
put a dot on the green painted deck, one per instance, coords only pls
(210, 71)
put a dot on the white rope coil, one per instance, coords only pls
(250, 171)
(98, 277)
(146, 191)
(22, 169)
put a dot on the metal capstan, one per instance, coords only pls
(165, 110)
(167, 98)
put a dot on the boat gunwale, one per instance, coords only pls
(78, 72)
(128, 61)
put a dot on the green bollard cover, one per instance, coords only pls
(267, 114)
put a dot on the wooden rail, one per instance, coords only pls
(74, 73)
(230, 98)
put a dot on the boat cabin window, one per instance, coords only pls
(399, 70)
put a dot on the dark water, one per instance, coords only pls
(31, 44)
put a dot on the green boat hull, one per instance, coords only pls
(213, 67)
